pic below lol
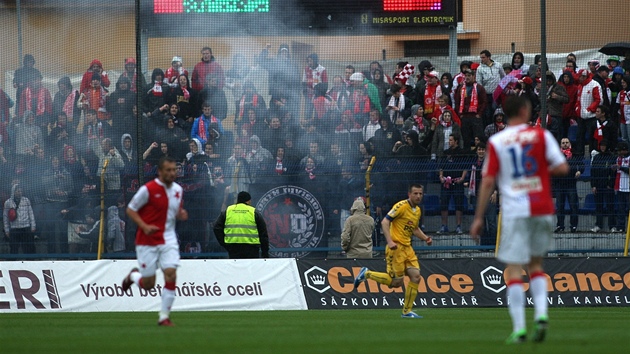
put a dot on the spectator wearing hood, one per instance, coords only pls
(498, 124)
(120, 105)
(356, 237)
(94, 97)
(207, 65)
(96, 67)
(19, 222)
(155, 95)
(518, 62)
(133, 75)
(65, 100)
(557, 96)
(603, 186)
(128, 151)
(568, 109)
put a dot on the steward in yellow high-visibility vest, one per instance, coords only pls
(242, 231)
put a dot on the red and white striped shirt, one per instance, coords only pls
(157, 205)
(520, 158)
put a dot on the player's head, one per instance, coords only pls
(167, 170)
(517, 109)
(415, 193)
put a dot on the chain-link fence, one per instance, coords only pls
(290, 100)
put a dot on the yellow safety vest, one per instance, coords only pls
(240, 225)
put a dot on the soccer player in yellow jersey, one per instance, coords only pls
(399, 225)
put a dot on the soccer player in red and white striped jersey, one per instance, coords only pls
(155, 208)
(521, 160)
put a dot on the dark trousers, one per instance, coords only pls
(471, 127)
(586, 128)
(569, 194)
(22, 238)
(242, 251)
(623, 205)
(607, 196)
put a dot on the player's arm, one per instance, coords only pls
(388, 237)
(562, 169)
(424, 237)
(146, 228)
(182, 214)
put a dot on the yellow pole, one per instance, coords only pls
(368, 184)
(102, 218)
(625, 249)
(496, 247)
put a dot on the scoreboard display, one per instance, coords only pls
(277, 17)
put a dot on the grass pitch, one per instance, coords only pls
(481, 330)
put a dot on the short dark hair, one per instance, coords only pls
(415, 185)
(207, 48)
(164, 160)
(486, 53)
(604, 109)
(481, 145)
(514, 104)
(351, 68)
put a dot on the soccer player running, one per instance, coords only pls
(398, 226)
(155, 208)
(521, 160)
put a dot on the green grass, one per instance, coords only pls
(572, 330)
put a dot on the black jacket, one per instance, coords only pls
(237, 251)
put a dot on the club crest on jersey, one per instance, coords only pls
(158, 195)
(295, 219)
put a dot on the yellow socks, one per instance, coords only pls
(410, 296)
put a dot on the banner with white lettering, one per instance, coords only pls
(328, 284)
(202, 285)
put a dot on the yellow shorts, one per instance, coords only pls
(399, 260)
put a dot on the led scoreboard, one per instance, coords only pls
(259, 15)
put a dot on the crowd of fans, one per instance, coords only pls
(318, 130)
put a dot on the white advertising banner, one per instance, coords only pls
(202, 285)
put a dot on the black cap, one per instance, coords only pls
(243, 197)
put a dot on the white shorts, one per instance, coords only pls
(149, 257)
(523, 238)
